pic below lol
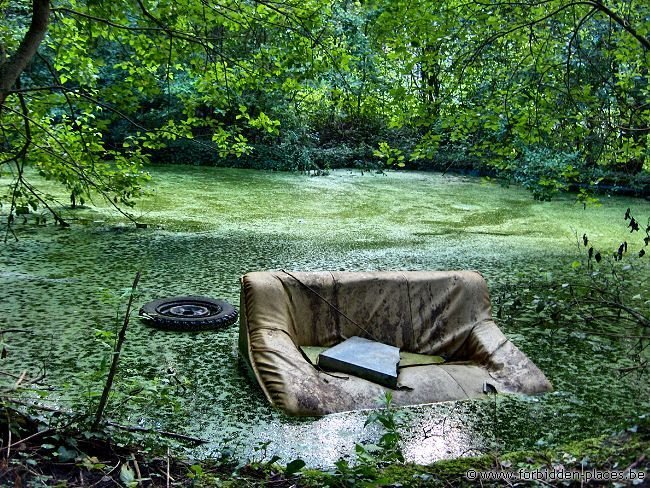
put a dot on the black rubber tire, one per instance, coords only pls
(203, 313)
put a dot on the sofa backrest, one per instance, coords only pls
(428, 312)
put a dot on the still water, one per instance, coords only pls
(207, 227)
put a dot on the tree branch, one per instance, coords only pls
(598, 4)
(11, 69)
(19, 159)
(101, 20)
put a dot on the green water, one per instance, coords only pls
(209, 226)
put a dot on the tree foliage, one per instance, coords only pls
(546, 91)
(504, 78)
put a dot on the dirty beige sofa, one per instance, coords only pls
(444, 313)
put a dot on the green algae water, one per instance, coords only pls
(207, 227)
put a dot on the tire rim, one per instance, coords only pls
(188, 310)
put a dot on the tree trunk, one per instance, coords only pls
(11, 69)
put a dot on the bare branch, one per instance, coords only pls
(19, 158)
(116, 355)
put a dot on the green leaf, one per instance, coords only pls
(65, 454)
(294, 466)
(127, 476)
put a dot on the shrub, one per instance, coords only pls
(546, 172)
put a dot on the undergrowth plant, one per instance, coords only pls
(603, 292)
(365, 469)
(33, 434)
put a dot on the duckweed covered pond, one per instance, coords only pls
(209, 226)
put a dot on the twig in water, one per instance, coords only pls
(45, 408)
(116, 356)
(34, 381)
(129, 428)
(9, 435)
(20, 379)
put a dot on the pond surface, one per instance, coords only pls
(209, 226)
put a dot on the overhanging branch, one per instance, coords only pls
(598, 4)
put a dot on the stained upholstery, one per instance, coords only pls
(444, 313)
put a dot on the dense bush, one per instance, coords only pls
(625, 183)
(546, 172)
(452, 158)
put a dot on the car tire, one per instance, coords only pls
(189, 313)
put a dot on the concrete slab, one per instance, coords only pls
(364, 358)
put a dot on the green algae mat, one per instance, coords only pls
(207, 227)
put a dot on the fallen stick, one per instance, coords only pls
(128, 428)
(173, 435)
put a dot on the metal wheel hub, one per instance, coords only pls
(188, 310)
